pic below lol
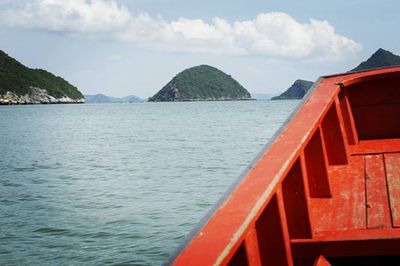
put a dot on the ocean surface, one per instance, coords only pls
(112, 184)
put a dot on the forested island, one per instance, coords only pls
(22, 85)
(201, 83)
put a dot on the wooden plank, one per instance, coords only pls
(376, 146)
(351, 235)
(284, 225)
(392, 163)
(378, 211)
(352, 248)
(346, 209)
(252, 249)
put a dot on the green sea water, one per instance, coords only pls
(119, 183)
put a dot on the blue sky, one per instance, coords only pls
(121, 47)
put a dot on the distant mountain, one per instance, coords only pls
(131, 99)
(101, 98)
(20, 84)
(261, 96)
(201, 83)
(297, 91)
(381, 58)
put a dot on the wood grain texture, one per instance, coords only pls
(378, 211)
(392, 162)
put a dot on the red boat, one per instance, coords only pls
(325, 190)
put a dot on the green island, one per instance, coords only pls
(22, 85)
(381, 58)
(297, 91)
(201, 83)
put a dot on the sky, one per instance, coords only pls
(134, 47)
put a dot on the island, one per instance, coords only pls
(101, 98)
(201, 83)
(381, 58)
(297, 91)
(22, 85)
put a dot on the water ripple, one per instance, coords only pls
(51, 231)
(119, 184)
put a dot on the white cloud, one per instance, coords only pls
(68, 15)
(269, 34)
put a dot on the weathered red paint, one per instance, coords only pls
(378, 211)
(392, 163)
(326, 191)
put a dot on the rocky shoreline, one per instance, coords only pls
(35, 96)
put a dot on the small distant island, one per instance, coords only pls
(297, 91)
(201, 83)
(381, 58)
(101, 98)
(22, 85)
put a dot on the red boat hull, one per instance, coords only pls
(326, 190)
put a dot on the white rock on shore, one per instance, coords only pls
(35, 96)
